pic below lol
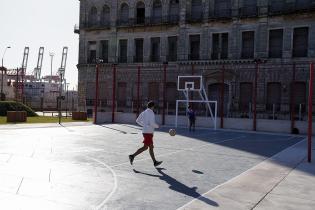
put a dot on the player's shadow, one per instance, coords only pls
(179, 187)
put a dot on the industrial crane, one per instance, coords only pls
(38, 70)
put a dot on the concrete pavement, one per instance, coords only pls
(284, 182)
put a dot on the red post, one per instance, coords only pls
(114, 93)
(138, 91)
(222, 98)
(96, 93)
(310, 113)
(164, 94)
(255, 98)
(293, 100)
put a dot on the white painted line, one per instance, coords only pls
(99, 206)
(182, 207)
(184, 150)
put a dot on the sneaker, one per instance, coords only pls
(131, 157)
(157, 163)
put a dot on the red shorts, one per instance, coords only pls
(148, 139)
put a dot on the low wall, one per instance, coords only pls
(280, 126)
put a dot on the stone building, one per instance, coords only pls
(199, 37)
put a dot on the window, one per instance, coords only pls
(278, 6)
(303, 4)
(248, 44)
(249, 8)
(273, 96)
(171, 93)
(299, 96)
(124, 14)
(194, 47)
(300, 42)
(155, 49)
(174, 11)
(104, 51)
(139, 50)
(275, 43)
(157, 12)
(93, 17)
(140, 13)
(154, 91)
(222, 8)
(246, 93)
(121, 94)
(105, 17)
(123, 51)
(196, 10)
(220, 46)
(92, 52)
(172, 48)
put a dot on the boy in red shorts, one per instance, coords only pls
(147, 120)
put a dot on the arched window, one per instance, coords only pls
(174, 11)
(140, 13)
(93, 17)
(196, 10)
(157, 12)
(105, 17)
(124, 14)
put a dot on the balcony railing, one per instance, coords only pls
(171, 58)
(194, 57)
(248, 11)
(221, 14)
(122, 59)
(95, 25)
(171, 19)
(194, 18)
(138, 59)
(155, 58)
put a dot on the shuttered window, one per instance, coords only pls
(157, 11)
(248, 44)
(153, 91)
(300, 42)
(196, 9)
(246, 94)
(105, 17)
(124, 14)
(194, 47)
(275, 43)
(123, 51)
(222, 8)
(121, 94)
(273, 96)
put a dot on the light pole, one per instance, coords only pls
(51, 54)
(2, 69)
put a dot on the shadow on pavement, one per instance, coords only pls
(178, 186)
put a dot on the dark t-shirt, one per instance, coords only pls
(191, 115)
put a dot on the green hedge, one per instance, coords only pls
(15, 106)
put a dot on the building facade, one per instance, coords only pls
(247, 45)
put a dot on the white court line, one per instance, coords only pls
(99, 206)
(184, 150)
(182, 207)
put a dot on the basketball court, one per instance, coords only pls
(86, 166)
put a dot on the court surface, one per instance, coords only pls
(87, 167)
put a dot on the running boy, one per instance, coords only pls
(192, 118)
(147, 120)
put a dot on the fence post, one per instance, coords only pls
(310, 113)
(114, 93)
(293, 100)
(138, 91)
(222, 98)
(255, 97)
(164, 93)
(96, 93)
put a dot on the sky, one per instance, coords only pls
(40, 23)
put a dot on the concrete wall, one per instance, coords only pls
(278, 126)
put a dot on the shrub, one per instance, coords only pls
(15, 106)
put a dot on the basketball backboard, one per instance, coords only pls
(191, 83)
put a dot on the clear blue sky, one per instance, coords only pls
(36, 23)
